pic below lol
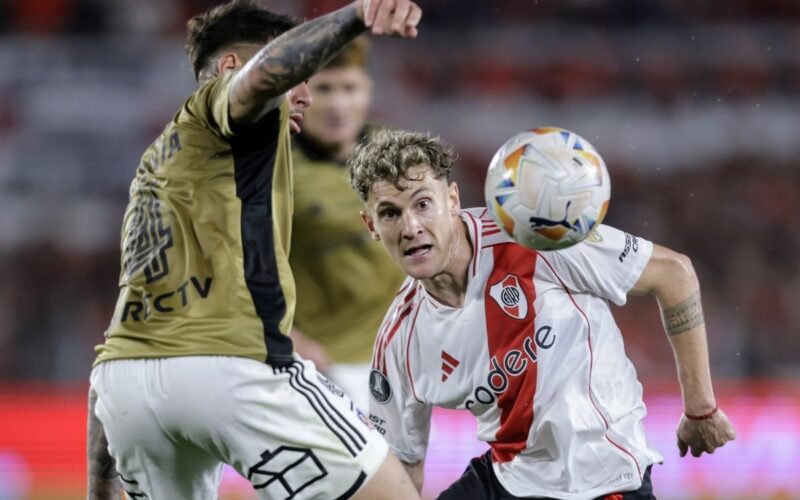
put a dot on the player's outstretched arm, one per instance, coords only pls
(299, 53)
(670, 277)
(103, 481)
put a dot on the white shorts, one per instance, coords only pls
(353, 378)
(172, 422)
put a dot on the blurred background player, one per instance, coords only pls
(523, 340)
(344, 279)
(197, 369)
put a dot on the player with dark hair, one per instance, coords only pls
(346, 280)
(197, 368)
(523, 340)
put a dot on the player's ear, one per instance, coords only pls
(228, 61)
(455, 199)
(370, 223)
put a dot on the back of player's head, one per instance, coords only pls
(389, 154)
(354, 55)
(237, 21)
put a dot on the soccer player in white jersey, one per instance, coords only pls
(523, 340)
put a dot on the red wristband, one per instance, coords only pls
(703, 417)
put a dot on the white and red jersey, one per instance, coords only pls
(534, 354)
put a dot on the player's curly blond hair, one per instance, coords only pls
(388, 154)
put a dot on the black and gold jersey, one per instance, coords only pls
(205, 239)
(345, 280)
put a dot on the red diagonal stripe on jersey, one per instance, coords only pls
(490, 232)
(505, 333)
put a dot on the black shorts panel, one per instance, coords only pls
(478, 482)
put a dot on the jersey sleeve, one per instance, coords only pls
(608, 263)
(394, 410)
(209, 105)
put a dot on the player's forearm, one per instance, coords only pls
(691, 357)
(103, 481)
(292, 58)
(684, 323)
(417, 473)
(296, 55)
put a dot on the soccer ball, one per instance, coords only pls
(547, 188)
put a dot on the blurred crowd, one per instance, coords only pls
(694, 105)
(99, 16)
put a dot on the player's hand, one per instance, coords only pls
(704, 435)
(390, 17)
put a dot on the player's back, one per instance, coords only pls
(205, 239)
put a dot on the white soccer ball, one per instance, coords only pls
(547, 188)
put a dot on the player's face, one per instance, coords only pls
(299, 99)
(418, 224)
(341, 100)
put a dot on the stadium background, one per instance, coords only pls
(694, 104)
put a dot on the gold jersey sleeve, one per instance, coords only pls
(345, 280)
(205, 239)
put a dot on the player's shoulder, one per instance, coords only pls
(406, 298)
(400, 314)
(603, 238)
(199, 102)
(483, 229)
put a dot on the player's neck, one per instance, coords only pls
(450, 286)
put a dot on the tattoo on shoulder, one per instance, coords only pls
(684, 316)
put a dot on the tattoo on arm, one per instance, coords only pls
(292, 58)
(684, 315)
(103, 481)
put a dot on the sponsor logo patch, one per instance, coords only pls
(379, 387)
(510, 297)
(330, 385)
(631, 243)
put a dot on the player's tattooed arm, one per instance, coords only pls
(103, 482)
(289, 60)
(684, 316)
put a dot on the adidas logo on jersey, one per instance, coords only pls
(449, 363)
